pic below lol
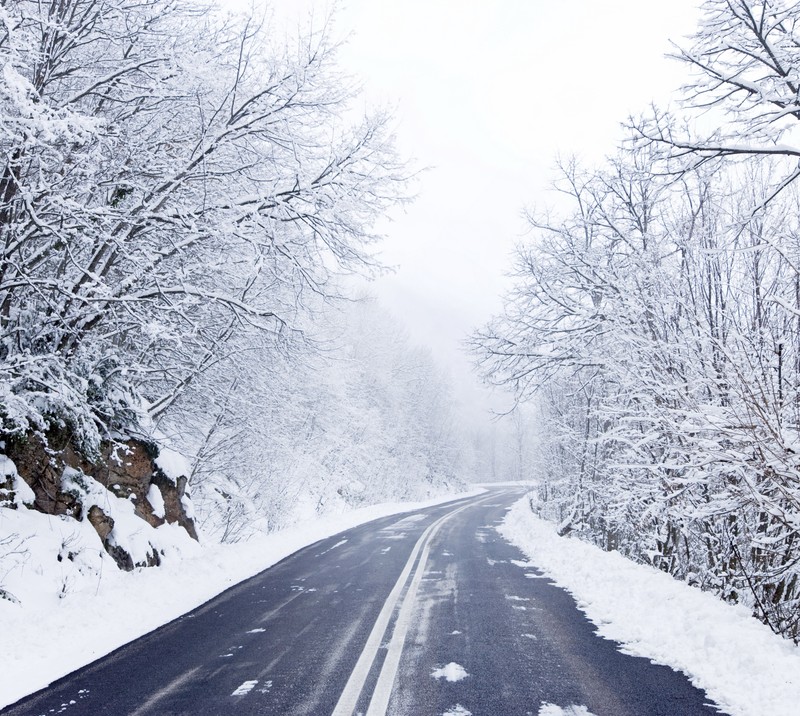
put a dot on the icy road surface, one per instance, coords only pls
(430, 613)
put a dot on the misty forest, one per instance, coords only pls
(191, 211)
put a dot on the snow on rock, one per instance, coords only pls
(451, 672)
(719, 646)
(7, 467)
(78, 609)
(188, 507)
(23, 495)
(13, 489)
(156, 500)
(125, 469)
(130, 540)
(172, 464)
(177, 469)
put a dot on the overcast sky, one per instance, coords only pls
(487, 94)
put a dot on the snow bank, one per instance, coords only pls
(742, 666)
(43, 558)
(55, 630)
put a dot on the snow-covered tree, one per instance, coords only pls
(655, 324)
(171, 179)
(743, 98)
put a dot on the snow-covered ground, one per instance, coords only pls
(70, 613)
(742, 666)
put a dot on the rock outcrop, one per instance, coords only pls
(128, 470)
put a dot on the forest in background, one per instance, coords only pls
(654, 324)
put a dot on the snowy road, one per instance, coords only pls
(430, 613)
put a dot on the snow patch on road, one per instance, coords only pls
(740, 664)
(338, 544)
(245, 688)
(451, 672)
(457, 710)
(553, 710)
(406, 522)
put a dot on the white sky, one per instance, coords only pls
(487, 93)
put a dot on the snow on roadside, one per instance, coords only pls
(740, 664)
(46, 638)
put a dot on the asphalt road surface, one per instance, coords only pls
(430, 613)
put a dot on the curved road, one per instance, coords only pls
(428, 613)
